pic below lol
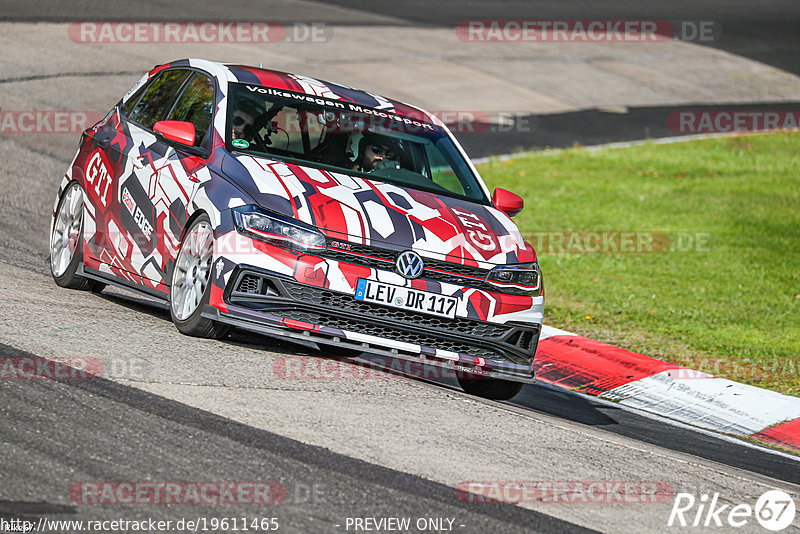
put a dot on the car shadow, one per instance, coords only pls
(237, 337)
(540, 398)
(560, 403)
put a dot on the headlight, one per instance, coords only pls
(525, 276)
(276, 229)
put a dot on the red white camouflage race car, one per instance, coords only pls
(289, 206)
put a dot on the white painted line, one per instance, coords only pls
(713, 403)
(673, 422)
(700, 400)
(550, 331)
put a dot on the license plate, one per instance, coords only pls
(406, 298)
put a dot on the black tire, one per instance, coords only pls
(490, 388)
(194, 324)
(69, 277)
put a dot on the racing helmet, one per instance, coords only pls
(358, 141)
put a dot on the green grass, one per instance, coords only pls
(730, 306)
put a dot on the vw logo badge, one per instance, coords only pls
(409, 264)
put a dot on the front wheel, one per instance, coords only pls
(66, 242)
(190, 288)
(490, 388)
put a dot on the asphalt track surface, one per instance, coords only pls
(129, 434)
(198, 410)
(764, 31)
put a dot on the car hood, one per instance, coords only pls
(369, 212)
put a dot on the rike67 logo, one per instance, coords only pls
(774, 510)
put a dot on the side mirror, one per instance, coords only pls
(180, 134)
(176, 131)
(507, 202)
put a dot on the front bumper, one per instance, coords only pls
(265, 302)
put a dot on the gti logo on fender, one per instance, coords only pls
(98, 177)
(476, 230)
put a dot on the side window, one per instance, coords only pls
(134, 99)
(196, 105)
(442, 172)
(158, 98)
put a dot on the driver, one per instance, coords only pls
(244, 116)
(373, 151)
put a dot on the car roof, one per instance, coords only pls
(301, 84)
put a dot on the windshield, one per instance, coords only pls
(340, 136)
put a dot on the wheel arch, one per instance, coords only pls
(191, 218)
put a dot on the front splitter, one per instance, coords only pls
(268, 324)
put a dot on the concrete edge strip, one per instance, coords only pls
(625, 144)
(643, 383)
